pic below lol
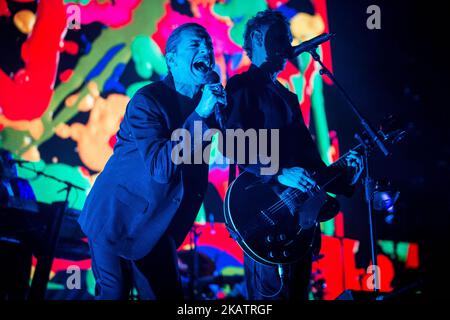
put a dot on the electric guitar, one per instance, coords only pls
(274, 224)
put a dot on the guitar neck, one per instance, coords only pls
(333, 171)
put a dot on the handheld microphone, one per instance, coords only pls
(211, 78)
(310, 44)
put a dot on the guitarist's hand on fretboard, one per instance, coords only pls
(355, 162)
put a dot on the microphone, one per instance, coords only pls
(310, 44)
(211, 78)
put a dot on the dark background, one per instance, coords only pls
(398, 70)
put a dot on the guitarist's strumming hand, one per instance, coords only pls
(354, 161)
(296, 177)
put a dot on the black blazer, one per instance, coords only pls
(136, 196)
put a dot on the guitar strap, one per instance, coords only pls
(231, 173)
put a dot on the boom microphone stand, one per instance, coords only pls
(194, 276)
(43, 267)
(371, 138)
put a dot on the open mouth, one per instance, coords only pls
(202, 66)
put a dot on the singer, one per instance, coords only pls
(257, 100)
(142, 205)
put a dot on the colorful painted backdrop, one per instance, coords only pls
(68, 69)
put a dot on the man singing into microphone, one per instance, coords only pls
(257, 100)
(143, 204)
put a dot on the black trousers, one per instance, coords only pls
(263, 281)
(155, 276)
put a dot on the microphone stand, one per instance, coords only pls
(372, 139)
(194, 276)
(43, 267)
(69, 185)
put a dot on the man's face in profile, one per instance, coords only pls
(277, 43)
(194, 57)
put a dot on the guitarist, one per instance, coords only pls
(257, 100)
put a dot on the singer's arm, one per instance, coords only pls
(148, 128)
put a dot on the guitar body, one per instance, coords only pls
(275, 224)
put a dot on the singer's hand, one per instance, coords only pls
(212, 94)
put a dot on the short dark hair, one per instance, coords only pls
(174, 37)
(263, 18)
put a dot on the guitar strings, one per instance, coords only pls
(337, 163)
(281, 203)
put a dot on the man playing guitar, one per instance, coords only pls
(257, 100)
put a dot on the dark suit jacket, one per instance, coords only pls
(139, 192)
